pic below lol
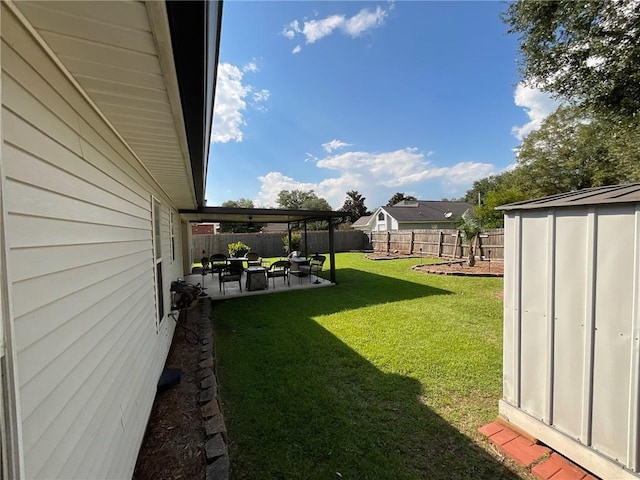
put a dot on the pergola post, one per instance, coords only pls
(306, 247)
(332, 254)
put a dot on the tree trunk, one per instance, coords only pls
(471, 261)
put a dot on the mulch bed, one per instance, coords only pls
(482, 268)
(173, 446)
(457, 266)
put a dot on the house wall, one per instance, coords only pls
(89, 348)
(571, 324)
(386, 223)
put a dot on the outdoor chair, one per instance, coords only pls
(314, 268)
(253, 259)
(279, 268)
(218, 263)
(231, 273)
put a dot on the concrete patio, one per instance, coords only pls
(231, 289)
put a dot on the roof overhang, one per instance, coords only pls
(195, 36)
(259, 215)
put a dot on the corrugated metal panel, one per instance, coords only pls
(511, 308)
(571, 356)
(613, 329)
(569, 353)
(629, 193)
(80, 251)
(534, 321)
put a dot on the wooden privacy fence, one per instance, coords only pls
(271, 244)
(448, 243)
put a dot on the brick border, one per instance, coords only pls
(543, 462)
(216, 451)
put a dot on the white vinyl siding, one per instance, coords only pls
(80, 254)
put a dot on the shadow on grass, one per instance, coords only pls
(356, 289)
(301, 404)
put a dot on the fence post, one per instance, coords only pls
(440, 243)
(388, 241)
(413, 239)
(455, 245)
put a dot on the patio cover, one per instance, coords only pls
(293, 218)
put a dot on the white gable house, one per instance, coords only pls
(416, 215)
(106, 117)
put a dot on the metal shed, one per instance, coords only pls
(571, 366)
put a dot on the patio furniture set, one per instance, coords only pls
(257, 274)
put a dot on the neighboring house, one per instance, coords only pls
(203, 229)
(571, 357)
(415, 215)
(106, 119)
(362, 224)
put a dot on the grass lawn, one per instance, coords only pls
(387, 375)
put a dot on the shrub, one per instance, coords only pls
(296, 241)
(238, 249)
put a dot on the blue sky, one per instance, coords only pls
(380, 97)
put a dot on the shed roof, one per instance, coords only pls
(425, 211)
(628, 193)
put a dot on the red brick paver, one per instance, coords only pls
(524, 451)
(532, 455)
(556, 467)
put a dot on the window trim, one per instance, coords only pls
(156, 237)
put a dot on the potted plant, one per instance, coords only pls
(238, 249)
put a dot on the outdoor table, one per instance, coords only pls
(241, 260)
(256, 278)
(297, 261)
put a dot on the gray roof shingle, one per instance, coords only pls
(628, 193)
(425, 211)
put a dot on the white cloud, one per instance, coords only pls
(359, 170)
(291, 30)
(331, 189)
(316, 29)
(250, 67)
(231, 102)
(537, 106)
(334, 145)
(363, 21)
(261, 96)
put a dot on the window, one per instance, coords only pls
(173, 238)
(157, 249)
(381, 217)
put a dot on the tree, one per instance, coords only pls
(572, 151)
(226, 227)
(240, 203)
(470, 227)
(354, 206)
(294, 199)
(587, 52)
(486, 213)
(301, 200)
(482, 186)
(398, 197)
